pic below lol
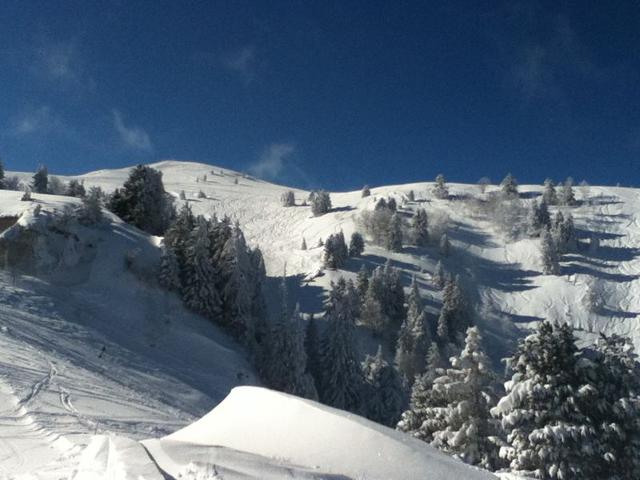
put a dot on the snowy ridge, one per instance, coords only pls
(89, 348)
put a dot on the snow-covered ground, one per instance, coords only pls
(90, 347)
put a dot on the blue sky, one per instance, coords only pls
(331, 94)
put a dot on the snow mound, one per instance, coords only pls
(302, 432)
(111, 457)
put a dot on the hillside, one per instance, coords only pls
(89, 346)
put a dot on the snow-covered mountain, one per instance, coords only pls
(90, 348)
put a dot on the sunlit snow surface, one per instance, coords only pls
(88, 349)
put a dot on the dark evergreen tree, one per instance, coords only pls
(143, 202)
(341, 383)
(440, 189)
(356, 245)
(394, 236)
(335, 251)
(384, 390)
(75, 189)
(320, 203)
(420, 228)
(453, 320)
(40, 180)
(549, 195)
(288, 199)
(366, 191)
(509, 186)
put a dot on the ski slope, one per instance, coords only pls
(94, 357)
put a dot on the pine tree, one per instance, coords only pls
(413, 338)
(2, 185)
(177, 237)
(445, 245)
(91, 209)
(182, 195)
(540, 411)
(335, 251)
(538, 218)
(440, 189)
(392, 205)
(235, 266)
(362, 282)
(549, 195)
(75, 189)
(384, 390)
(567, 196)
(169, 274)
(549, 254)
(613, 405)
(439, 277)
(366, 191)
(304, 244)
(394, 236)
(356, 245)
(371, 314)
(320, 203)
(420, 228)
(143, 202)
(564, 233)
(411, 196)
(199, 287)
(341, 383)
(509, 186)
(466, 428)
(288, 199)
(453, 321)
(414, 418)
(40, 180)
(312, 345)
(287, 370)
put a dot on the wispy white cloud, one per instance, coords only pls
(242, 62)
(541, 66)
(131, 136)
(34, 120)
(61, 63)
(273, 161)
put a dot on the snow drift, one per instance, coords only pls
(277, 426)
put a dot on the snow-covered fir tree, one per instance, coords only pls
(392, 205)
(356, 245)
(547, 433)
(320, 202)
(465, 426)
(564, 233)
(612, 402)
(366, 191)
(371, 314)
(414, 420)
(509, 186)
(169, 273)
(593, 299)
(235, 269)
(182, 196)
(143, 202)
(411, 196)
(341, 382)
(440, 189)
(199, 288)
(336, 252)
(439, 277)
(414, 337)
(75, 189)
(394, 236)
(567, 196)
(303, 246)
(549, 254)
(177, 236)
(362, 282)
(201, 194)
(312, 346)
(91, 209)
(287, 366)
(549, 194)
(538, 218)
(445, 245)
(40, 181)
(384, 392)
(288, 199)
(420, 228)
(453, 320)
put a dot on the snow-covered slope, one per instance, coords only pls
(162, 367)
